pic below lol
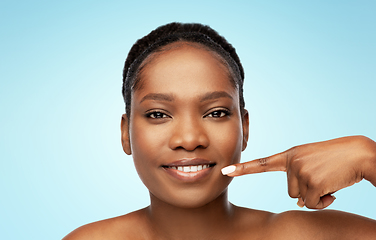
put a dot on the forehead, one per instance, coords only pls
(183, 65)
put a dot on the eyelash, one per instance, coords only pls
(154, 113)
(222, 112)
(161, 115)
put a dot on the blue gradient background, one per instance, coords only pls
(310, 76)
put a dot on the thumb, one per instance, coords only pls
(325, 201)
(276, 162)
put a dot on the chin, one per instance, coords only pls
(194, 197)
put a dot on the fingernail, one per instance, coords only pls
(334, 198)
(300, 204)
(228, 169)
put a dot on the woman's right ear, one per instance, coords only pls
(125, 135)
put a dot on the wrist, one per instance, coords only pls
(369, 172)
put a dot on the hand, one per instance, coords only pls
(316, 170)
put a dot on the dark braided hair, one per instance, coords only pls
(175, 32)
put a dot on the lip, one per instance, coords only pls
(188, 162)
(189, 177)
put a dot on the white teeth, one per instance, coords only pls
(193, 168)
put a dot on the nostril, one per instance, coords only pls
(190, 149)
(189, 137)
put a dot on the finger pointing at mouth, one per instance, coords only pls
(273, 163)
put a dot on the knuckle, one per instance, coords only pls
(296, 165)
(303, 173)
(309, 203)
(243, 167)
(293, 193)
(310, 206)
(262, 162)
(314, 182)
(361, 139)
(292, 152)
(246, 168)
(293, 149)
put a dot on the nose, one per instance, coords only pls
(189, 134)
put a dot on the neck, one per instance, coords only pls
(203, 222)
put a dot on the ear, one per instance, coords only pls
(245, 123)
(125, 134)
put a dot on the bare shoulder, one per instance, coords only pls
(322, 224)
(129, 226)
(252, 216)
(250, 223)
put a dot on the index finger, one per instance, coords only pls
(276, 162)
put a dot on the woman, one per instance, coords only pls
(186, 126)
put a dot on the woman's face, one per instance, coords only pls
(185, 125)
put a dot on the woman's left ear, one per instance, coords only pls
(245, 122)
(125, 135)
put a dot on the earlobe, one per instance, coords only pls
(125, 142)
(245, 122)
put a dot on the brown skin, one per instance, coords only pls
(316, 170)
(192, 126)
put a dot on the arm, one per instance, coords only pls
(316, 170)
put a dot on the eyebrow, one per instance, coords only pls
(158, 97)
(169, 97)
(215, 95)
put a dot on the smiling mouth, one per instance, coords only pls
(190, 168)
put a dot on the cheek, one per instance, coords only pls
(145, 141)
(227, 141)
(147, 146)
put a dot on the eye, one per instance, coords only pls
(218, 113)
(156, 115)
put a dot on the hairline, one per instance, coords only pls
(223, 63)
